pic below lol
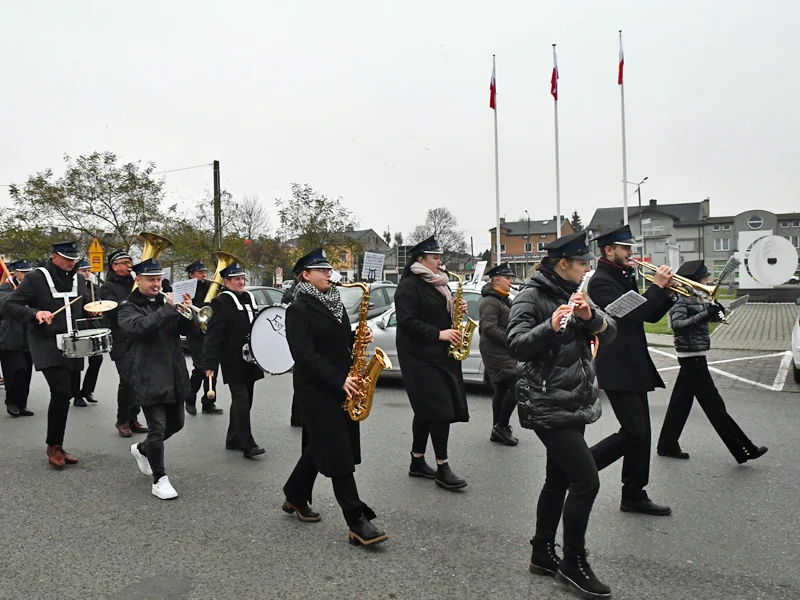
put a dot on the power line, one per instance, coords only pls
(183, 169)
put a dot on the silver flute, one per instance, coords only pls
(568, 317)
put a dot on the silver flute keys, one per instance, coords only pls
(568, 317)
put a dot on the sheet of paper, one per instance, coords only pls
(179, 288)
(625, 304)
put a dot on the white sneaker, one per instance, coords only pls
(163, 489)
(141, 461)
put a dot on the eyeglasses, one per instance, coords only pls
(124, 263)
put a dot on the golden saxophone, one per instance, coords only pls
(465, 327)
(359, 405)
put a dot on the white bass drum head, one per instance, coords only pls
(268, 343)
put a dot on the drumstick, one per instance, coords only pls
(91, 285)
(211, 393)
(65, 306)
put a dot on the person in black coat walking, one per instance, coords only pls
(558, 397)
(117, 286)
(234, 311)
(160, 380)
(500, 366)
(321, 342)
(433, 379)
(690, 317)
(625, 370)
(288, 297)
(41, 293)
(197, 270)
(15, 356)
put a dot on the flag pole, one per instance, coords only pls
(496, 168)
(624, 146)
(558, 169)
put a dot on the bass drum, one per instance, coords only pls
(269, 348)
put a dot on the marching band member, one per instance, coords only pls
(40, 294)
(321, 343)
(288, 297)
(558, 397)
(197, 270)
(500, 366)
(689, 318)
(15, 355)
(433, 379)
(625, 370)
(117, 286)
(82, 395)
(159, 378)
(234, 311)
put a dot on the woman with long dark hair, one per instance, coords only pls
(551, 329)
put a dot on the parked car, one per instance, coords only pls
(381, 298)
(796, 347)
(265, 295)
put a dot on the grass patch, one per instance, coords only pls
(663, 327)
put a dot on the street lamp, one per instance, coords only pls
(641, 231)
(527, 264)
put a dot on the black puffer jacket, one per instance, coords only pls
(494, 309)
(689, 318)
(557, 387)
(116, 288)
(13, 332)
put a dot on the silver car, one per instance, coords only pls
(384, 330)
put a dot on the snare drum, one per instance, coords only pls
(87, 342)
(267, 344)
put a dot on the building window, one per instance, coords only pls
(726, 227)
(722, 244)
(784, 224)
(344, 257)
(795, 239)
(502, 248)
(687, 245)
(542, 236)
(755, 222)
(528, 247)
(716, 227)
(795, 223)
(540, 247)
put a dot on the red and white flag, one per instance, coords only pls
(493, 92)
(554, 78)
(621, 61)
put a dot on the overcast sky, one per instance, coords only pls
(386, 103)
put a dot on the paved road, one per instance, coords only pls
(95, 532)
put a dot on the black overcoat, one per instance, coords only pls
(432, 378)
(157, 365)
(13, 332)
(494, 309)
(197, 338)
(625, 363)
(115, 288)
(33, 295)
(226, 334)
(322, 349)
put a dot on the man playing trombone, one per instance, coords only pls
(624, 368)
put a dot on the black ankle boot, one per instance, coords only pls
(364, 533)
(575, 573)
(445, 478)
(419, 468)
(544, 560)
(503, 435)
(303, 511)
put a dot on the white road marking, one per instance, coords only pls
(783, 371)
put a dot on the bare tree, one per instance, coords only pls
(398, 238)
(387, 237)
(315, 220)
(443, 225)
(249, 218)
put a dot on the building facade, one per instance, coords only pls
(522, 242)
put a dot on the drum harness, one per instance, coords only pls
(64, 295)
(246, 354)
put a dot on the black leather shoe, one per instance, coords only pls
(674, 452)
(89, 397)
(25, 413)
(303, 511)
(445, 478)
(79, 401)
(211, 409)
(12, 410)
(502, 435)
(364, 533)
(254, 451)
(752, 454)
(191, 409)
(645, 506)
(419, 468)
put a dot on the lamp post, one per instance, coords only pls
(641, 230)
(527, 264)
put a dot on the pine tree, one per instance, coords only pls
(575, 219)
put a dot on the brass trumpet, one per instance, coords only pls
(680, 285)
(191, 311)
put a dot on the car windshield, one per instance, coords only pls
(350, 298)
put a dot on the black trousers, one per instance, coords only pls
(439, 433)
(127, 404)
(570, 467)
(163, 421)
(295, 418)
(59, 379)
(239, 432)
(694, 380)
(503, 402)
(17, 371)
(198, 378)
(631, 442)
(92, 371)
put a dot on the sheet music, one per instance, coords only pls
(179, 288)
(731, 266)
(738, 302)
(625, 304)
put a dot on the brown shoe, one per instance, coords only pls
(54, 457)
(124, 430)
(68, 458)
(137, 427)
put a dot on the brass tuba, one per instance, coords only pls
(465, 327)
(224, 260)
(359, 405)
(154, 245)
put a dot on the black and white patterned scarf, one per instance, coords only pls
(331, 299)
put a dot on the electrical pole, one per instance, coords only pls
(217, 208)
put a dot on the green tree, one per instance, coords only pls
(95, 196)
(575, 219)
